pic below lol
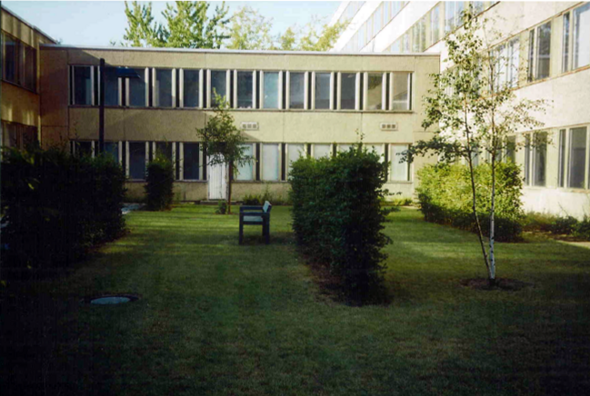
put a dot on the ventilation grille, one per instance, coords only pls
(388, 126)
(249, 126)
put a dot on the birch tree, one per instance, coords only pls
(475, 109)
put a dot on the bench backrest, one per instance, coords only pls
(267, 207)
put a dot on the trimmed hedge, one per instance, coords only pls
(160, 183)
(338, 220)
(57, 206)
(445, 198)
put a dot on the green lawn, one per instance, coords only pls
(216, 318)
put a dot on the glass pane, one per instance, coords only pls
(163, 88)
(164, 148)
(344, 147)
(218, 85)
(84, 149)
(191, 161)
(137, 160)
(296, 90)
(294, 152)
(112, 149)
(111, 87)
(399, 171)
(510, 154)
(11, 64)
(245, 81)
(245, 170)
(540, 159)
(270, 162)
(527, 158)
(378, 148)
(191, 88)
(543, 50)
(566, 43)
(374, 91)
(400, 91)
(82, 85)
(577, 157)
(137, 89)
(30, 65)
(582, 36)
(322, 150)
(322, 90)
(449, 16)
(561, 171)
(514, 63)
(434, 25)
(531, 55)
(271, 90)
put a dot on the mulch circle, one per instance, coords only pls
(129, 297)
(501, 284)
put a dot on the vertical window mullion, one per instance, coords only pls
(288, 90)
(306, 105)
(254, 89)
(313, 77)
(208, 104)
(280, 90)
(181, 88)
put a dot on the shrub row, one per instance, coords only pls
(558, 225)
(338, 220)
(57, 206)
(445, 197)
(159, 184)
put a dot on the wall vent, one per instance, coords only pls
(249, 126)
(388, 126)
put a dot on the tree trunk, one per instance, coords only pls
(229, 180)
(492, 268)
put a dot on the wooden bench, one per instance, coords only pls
(256, 215)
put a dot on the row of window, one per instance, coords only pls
(350, 11)
(19, 64)
(188, 88)
(270, 161)
(19, 136)
(574, 153)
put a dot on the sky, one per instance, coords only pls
(96, 23)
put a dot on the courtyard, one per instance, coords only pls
(217, 318)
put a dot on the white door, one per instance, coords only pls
(217, 183)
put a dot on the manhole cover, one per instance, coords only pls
(110, 299)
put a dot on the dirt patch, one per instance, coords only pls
(500, 284)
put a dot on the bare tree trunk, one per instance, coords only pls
(492, 268)
(229, 180)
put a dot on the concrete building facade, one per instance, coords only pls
(547, 45)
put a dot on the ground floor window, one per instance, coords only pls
(245, 170)
(271, 164)
(294, 152)
(578, 147)
(322, 150)
(137, 160)
(19, 136)
(400, 170)
(190, 161)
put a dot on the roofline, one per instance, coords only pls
(229, 52)
(22, 20)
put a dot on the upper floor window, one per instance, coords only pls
(271, 90)
(191, 88)
(374, 91)
(539, 52)
(453, 10)
(20, 62)
(111, 87)
(435, 24)
(163, 87)
(322, 90)
(137, 89)
(348, 91)
(297, 90)
(219, 85)
(83, 85)
(245, 90)
(401, 83)
(507, 64)
(576, 38)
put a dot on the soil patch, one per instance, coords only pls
(501, 284)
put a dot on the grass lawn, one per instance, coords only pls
(216, 318)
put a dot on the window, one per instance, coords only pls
(510, 151)
(561, 170)
(29, 80)
(342, 148)
(322, 150)
(400, 90)
(191, 88)
(513, 62)
(543, 51)
(218, 85)
(137, 159)
(111, 87)
(165, 149)
(271, 90)
(434, 25)
(453, 10)
(19, 136)
(294, 152)
(137, 89)
(322, 90)
(581, 36)
(378, 148)
(348, 91)
(577, 157)
(245, 170)
(540, 159)
(245, 90)
(190, 165)
(527, 159)
(112, 149)
(374, 91)
(296, 90)
(163, 87)
(11, 58)
(270, 162)
(400, 171)
(565, 57)
(531, 55)
(83, 84)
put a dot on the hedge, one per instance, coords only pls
(445, 197)
(160, 182)
(56, 206)
(338, 220)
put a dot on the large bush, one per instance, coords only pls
(338, 220)
(160, 182)
(57, 206)
(445, 197)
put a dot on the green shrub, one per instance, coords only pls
(535, 221)
(582, 230)
(445, 197)
(159, 184)
(221, 207)
(252, 199)
(563, 225)
(57, 206)
(338, 220)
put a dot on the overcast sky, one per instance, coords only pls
(97, 23)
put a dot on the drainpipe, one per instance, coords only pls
(101, 107)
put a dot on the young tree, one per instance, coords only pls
(223, 143)
(250, 30)
(187, 26)
(476, 110)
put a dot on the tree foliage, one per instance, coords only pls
(475, 110)
(223, 142)
(187, 25)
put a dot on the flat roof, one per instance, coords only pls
(228, 51)
(35, 28)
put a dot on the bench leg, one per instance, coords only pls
(267, 233)
(241, 232)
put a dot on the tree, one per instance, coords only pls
(187, 26)
(223, 142)
(476, 110)
(251, 31)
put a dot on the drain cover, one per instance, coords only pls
(110, 299)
